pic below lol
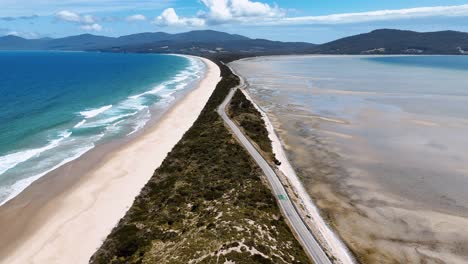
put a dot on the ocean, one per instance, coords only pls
(380, 144)
(56, 106)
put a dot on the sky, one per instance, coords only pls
(315, 21)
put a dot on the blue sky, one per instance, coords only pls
(314, 21)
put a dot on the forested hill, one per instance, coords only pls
(193, 42)
(206, 42)
(390, 41)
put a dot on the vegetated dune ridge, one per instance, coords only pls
(64, 217)
(244, 113)
(207, 203)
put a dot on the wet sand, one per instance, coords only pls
(65, 216)
(389, 176)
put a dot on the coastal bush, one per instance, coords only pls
(251, 122)
(206, 198)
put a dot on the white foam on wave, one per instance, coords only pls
(180, 80)
(113, 126)
(107, 121)
(167, 89)
(131, 104)
(11, 160)
(163, 86)
(94, 112)
(21, 185)
(141, 122)
(153, 91)
(80, 124)
(111, 119)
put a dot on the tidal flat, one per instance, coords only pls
(380, 145)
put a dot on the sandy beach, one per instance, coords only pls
(65, 216)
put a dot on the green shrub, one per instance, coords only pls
(175, 217)
(250, 120)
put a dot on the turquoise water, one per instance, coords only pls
(55, 106)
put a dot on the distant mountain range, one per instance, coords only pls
(383, 41)
(193, 42)
(390, 41)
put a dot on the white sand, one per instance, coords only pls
(328, 238)
(74, 225)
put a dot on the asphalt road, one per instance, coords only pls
(306, 238)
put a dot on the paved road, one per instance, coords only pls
(289, 211)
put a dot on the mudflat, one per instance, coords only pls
(379, 145)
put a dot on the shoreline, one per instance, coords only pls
(84, 199)
(105, 148)
(386, 199)
(329, 240)
(156, 111)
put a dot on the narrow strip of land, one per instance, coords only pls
(310, 244)
(206, 203)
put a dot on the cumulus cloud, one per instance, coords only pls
(239, 10)
(86, 22)
(218, 10)
(68, 16)
(137, 17)
(221, 12)
(169, 17)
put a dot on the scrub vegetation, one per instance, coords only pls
(244, 113)
(207, 203)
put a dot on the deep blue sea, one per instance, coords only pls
(55, 106)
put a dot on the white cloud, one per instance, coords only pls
(225, 11)
(170, 18)
(222, 12)
(380, 15)
(137, 17)
(218, 10)
(92, 27)
(248, 12)
(69, 16)
(245, 8)
(86, 22)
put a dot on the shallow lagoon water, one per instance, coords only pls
(380, 143)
